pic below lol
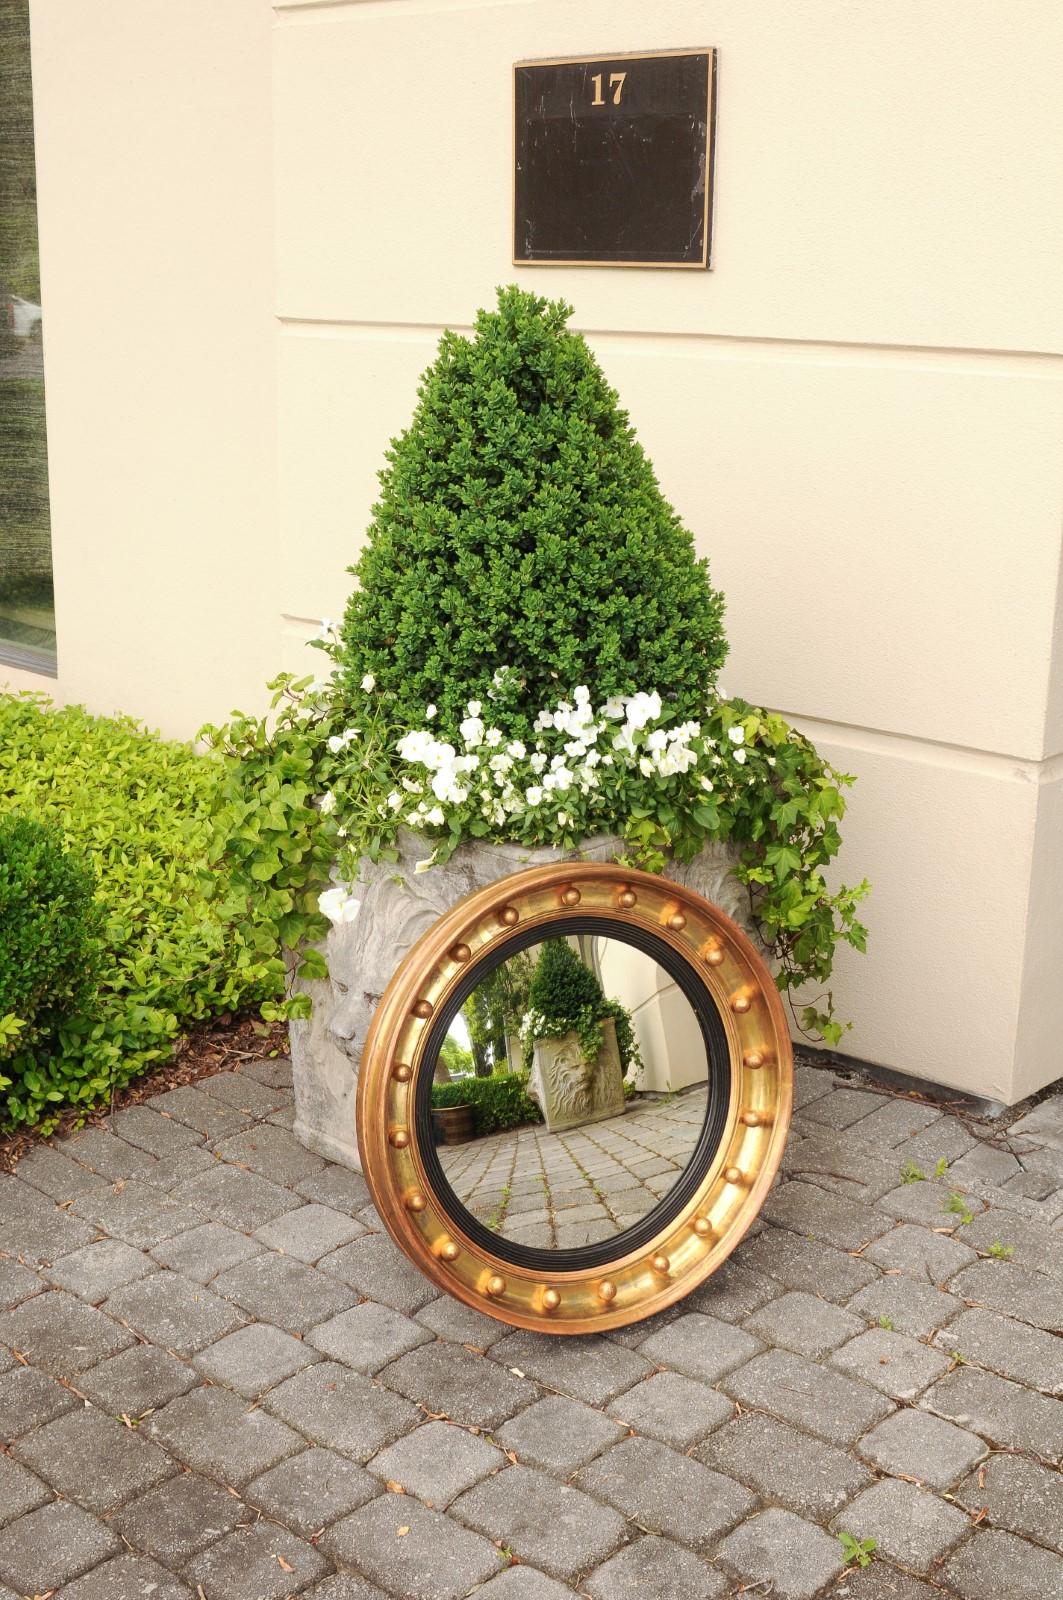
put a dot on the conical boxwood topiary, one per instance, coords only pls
(521, 526)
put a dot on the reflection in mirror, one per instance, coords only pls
(570, 1092)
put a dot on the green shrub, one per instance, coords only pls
(499, 1102)
(520, 525)
(564, 996)
(49, 944)
(175, 947)
(455, 1057)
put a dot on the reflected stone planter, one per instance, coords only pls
(572, 1091)
(399, 904)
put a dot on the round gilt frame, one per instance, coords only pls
(727, 1195)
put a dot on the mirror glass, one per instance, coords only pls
(569, 1093)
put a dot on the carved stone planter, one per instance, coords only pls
(571, 1090)
(398, 905)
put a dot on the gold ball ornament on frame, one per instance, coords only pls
(695, 1227)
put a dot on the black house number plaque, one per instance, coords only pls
(613, 160)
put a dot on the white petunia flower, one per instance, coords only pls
(538, 761)
(646, 766)
(327, 803)
(613, 708)
(336, 743)
(516, 749)
(657, 740)
(338, 904)
(493, 737)
(368, 682)
(435, 816)
(472, 729)
(474, 708)
(394, 799)
(582, 695)
(563, 819)
(643, 708)
(533, 795)
(429, 713)
(327, 628)
(740, 756)
(737, 734)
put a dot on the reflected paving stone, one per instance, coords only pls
(243, 1200)
(342, 1410)
(806, 1264)
(783, 1464)
(94, 1460)
(93, 1271)
(272, 1152)
(792, 1558)
(450, 1380)
(311, 1490)
(1014, 1349)
(1002, 1286)
(700, 1347)
(437, 1462)
(154, 1132)
(62, 1335)
(994, 1564)
(265, 1561)
(288, 1293)
(253, 1359)
(925, 1255)
(205, 1113)
(915, 1444)
(911, 1525)
(1001, 1411)
(586, 1368)
(203, 1252)
(434, 1559)
(1020, 1496)
(173, 1312)
(17, 1284)
(212, 1431)
(127, 1577)
(28, 1399)
(672, 1408)
(310, 1233)
(825, 1403)
(551, 1524)
(20, 1490)
(911, 1307)
(451, 1319)
(51, 1546)
(375, 1267)
(559, 1434)
(179, 1518)
(137, 1380)
(655, 1569)
(893, 1362)
(140, 1214)
(665, 1492)
(368, 1336)
(804, 1323)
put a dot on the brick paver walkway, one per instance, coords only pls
(217, 1375)
(564, 1189)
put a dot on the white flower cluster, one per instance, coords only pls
(339, 904)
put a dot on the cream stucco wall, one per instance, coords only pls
(857, 410)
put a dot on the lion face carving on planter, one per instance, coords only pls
(570, 1089)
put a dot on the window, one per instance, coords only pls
(27, 613)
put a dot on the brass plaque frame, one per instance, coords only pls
(728, 1194)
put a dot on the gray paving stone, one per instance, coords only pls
(375, 1267)
(449, 1380)
(342, 1410)
(179, 1518)
(915, 1308)
(94, 1460)
(882, 1582)
(242, 1200)
(254, 1358)
(337, 1187)
(212, 1431)
(54, 1174)
(551, 1524)
(205, 1113)
(834, 1161)
(286, 1292)
(309, 1491)
(18, 1284)
(249, 1560)
(804, 1323)
(924, 1255)
(986, 1164)
(842, 1107)
(21, 1199)
(345, 1586)
(138, 1380)
(894, 1362)
(895, 1122)
(700, 1347)
(806, 1264)
(173, 1312)
(1017, 1292)
(20, 1490)
(523, 1583)
(434, 1559)
(923, 1204)
(911, 1525)
(94, 1270)
(637, 1333)
(783, 1551)
(127, 1577)
(732, 1293)
(783, 1464)
(170, 1171)
(999, 1410)
(203, 1252)
(437, 1462)
(825, 1403)
(559, 1434)
(1036, 1245)
(993, 1564)
(1014, 1349)
(588, 1369)
(310, 1233)
(672, 1408)
(28, 1399)
(51, 1546)
(451, 1319)
(368, 1336)
(62, 1335)
(655, 1569)
(37, 1238)
(105, 1154)
(275, 1073)
(153, 1131)
(832, 1219)
(811, 1083)
(665, 1492)
(245, 1093)
(1019, 1496)
(272, 1152)
(916, 1444)
(138, 1213)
